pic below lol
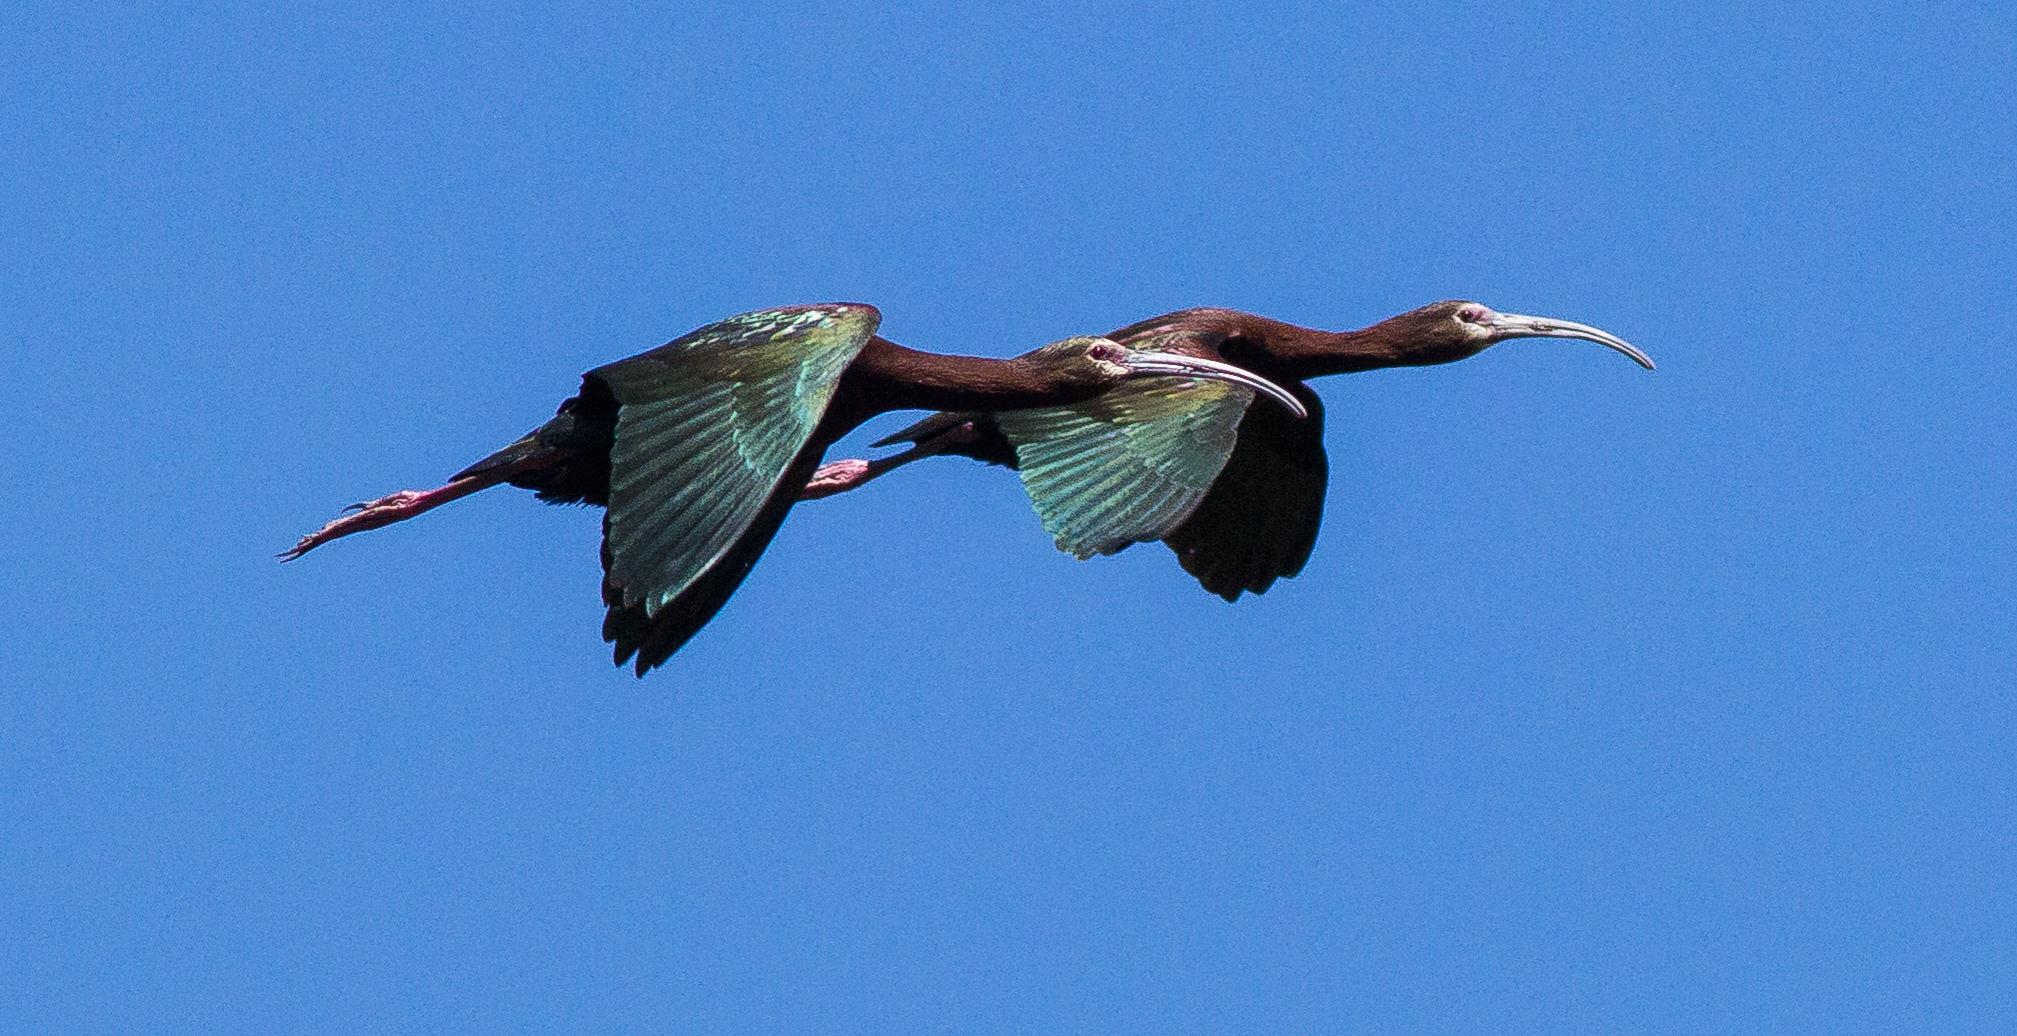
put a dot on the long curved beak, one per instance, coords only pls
(1177, 365)
(1513, 325)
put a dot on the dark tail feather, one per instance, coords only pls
(578, 440)
(511, 456)
(928, 428)
(986, 443)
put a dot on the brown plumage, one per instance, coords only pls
(699, 448)
(1258, 520)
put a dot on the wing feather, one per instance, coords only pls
(1260, 520)
(706, 426)
(1129, 466)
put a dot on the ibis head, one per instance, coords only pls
(1457, 329)
(1103, 363)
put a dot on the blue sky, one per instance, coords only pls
(1610, 701)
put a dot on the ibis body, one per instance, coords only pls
(698, 449)
(1234, 487)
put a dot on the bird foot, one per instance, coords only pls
(385, 510)
(406, 503)
(838, 477)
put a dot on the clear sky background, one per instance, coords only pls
(1610, 701)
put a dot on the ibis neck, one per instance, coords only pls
(1285, 352)
(887, 376)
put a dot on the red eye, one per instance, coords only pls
(1474, 314)
(1106, 352)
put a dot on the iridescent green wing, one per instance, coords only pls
(706, 426)
(1129, 466)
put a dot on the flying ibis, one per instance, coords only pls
(698, 448)
(1236, 490)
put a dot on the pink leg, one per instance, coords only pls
(407, 503)
(838, 477)
(843, 475)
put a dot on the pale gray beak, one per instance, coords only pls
(1177, 365)
(1513, 325)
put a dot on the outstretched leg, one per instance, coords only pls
(843, 475)
(410, 502)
